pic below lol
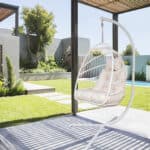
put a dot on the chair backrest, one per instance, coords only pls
(119, 76)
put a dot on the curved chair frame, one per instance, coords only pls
(116, 118)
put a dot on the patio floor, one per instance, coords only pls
(55, 134)
(136, 121)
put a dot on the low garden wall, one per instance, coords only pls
(44, 76)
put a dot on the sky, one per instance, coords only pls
(136, 22)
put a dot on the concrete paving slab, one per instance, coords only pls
(36, 89)
(136, 121)
(86, 106)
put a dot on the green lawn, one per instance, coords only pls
(21, 109)
(141, 100)
(28, 108)
(61, 85)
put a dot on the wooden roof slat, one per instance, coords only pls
(6, 10)
(117, 6)
(4, 13)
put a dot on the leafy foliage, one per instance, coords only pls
(49, 65)
(18, 89)
(3, 91)
(20, 30)
(126, 62)
(11, 86)
(39, 22)
(10, 73)
(96, 53)
(128, 51)
(140, 76)
(148, 63)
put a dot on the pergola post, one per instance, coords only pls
(74, 49)
(115, 33)
(16, 21)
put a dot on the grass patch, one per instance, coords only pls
(141, 100)
(21, 109)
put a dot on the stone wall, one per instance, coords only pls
(44, 76)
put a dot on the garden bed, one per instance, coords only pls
(44, 76)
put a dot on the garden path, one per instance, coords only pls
(64, 99)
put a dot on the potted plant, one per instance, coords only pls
(148, 71)
(128, 68)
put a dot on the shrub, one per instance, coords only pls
(1, 84)
(96, 53)
(10, 73)
(49, 65)
(128, 51)
(18, 89)
(148, 63)
(140, 76)
(32, 70)
(3, 91)
(126, 62)
(11, 86)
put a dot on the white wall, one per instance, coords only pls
(10, 48)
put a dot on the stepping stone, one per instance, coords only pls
(36, 89)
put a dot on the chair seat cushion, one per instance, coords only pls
(91, 95)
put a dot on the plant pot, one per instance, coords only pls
(128, 71)
(147, 72)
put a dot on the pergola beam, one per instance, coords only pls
(8, 6)
(115, 33)
(16, 21)
(74, 49)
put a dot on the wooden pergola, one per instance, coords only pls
(115, 7)
(7, 10)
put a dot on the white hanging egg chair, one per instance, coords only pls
(104, 74)
(110, 75)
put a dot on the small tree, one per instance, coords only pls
(10, 73)
(39, 22)
(128, 51)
